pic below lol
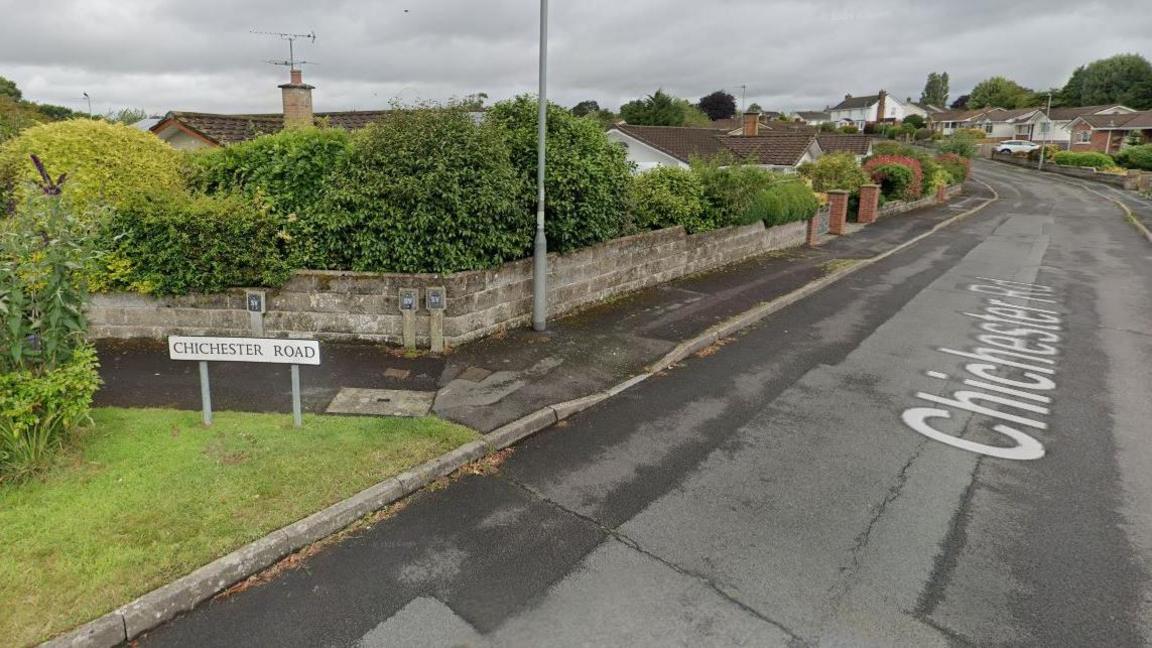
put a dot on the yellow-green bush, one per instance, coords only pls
(105, 162)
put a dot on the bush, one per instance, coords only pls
(1048, 150)
(835, 171)
(105, 162)
(896, 184)
(896, 181)
(922, 134)
(1084, 159)
(174, 245)
(425, 190)
(666, 197)
(784, 202)
(729, 191)
(289, 170)
(958, 167)
(959, 144)
(1136, 157)
(38, 410)
(587, 175)
(849, 130)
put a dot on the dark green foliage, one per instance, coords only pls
(915, 121)
(289, 170)
(957, 166)
(849, 129)
(657, 109)
(729, 191)
(1136, 157)
(999, 92)
(718, 105)
(835, 171)
(1084, 159)
(961, 102)
(425, 190)
(587, 175)
(896, 180)
(666, 197)
(587, 107)
(8, 89)
(786, 201)
(935, 90)
(174, 244)
(959, 144)
(1120, 79)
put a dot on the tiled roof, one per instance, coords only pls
(960, 115)
(776, 126)
(229, 129)
(837, 143)
(856, 102)
(1014, 115)
(782, 149)
(680, 142)
(1070, 113)
(1141, 119)
(685, 144)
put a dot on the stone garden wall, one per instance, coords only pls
(1134, 180)
(336, 305)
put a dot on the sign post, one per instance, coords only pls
(254, 304)
(409, 302)
(434, 299)
(258, 350)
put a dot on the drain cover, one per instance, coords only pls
(381, 402)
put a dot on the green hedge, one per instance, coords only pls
(587, 176)
(174, 244)
(896, 181)
(958, 167)
(666, 197)
(730, 190)
(1084, 159)
(785, 202)
(1136, 157)
(835, 171)
(38, 410)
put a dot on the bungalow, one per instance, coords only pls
(859, 111)
(950, 121)
(1059, 129)
(1000, 124)
(1108, 133)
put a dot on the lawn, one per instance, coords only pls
(148, 495)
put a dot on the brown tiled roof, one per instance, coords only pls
(782, 149)
(1128, 121)
(1016, 114)
(836, 143)
(680, 142)
(1072, 112)
(229, 129)
(959, 115)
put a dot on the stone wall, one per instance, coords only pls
(900, 206)
(365, 306)
(1133, 180)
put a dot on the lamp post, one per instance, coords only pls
(1046, 126)
(540, 251)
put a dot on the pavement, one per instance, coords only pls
(497, 380)
(770, 491)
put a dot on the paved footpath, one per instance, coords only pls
(950, 448)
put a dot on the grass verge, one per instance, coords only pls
(147, 495)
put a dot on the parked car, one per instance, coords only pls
(1016, 146)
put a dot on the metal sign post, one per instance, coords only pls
(257, 350)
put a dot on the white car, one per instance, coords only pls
(1016, 146)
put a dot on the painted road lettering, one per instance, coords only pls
(1018, 339)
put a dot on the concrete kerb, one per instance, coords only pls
(183, 594)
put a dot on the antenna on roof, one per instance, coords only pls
(291, 63)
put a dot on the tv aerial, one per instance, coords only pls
(291, 62)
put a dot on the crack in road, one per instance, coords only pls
(794, 640)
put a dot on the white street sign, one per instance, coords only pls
(267, 350)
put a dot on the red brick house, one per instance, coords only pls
(1108, 133)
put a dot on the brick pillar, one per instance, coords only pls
(869, 203)
(837, 211)
(942, 193)
(811, 237)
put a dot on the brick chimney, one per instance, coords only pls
(297, 102)
(751, 123)
(881, 105)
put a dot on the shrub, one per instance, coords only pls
(176, 245)
(959, 144)
(929, 173)
(666, 197)
(289, 170)
(889, 148)
(38, 410)
(849, 130)
(784, 202)
(105, 162)
(958, 167)
(835, 171)
(896, 184)
(425, 190)
(1084, 159)
(1048, 150)
(896, 181)
(1136, 157)
(939, 178)
(729, 190)
(922, 134)
(587, 175)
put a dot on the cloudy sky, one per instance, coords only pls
(199, 55)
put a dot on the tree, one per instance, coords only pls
(915, 121)
(1124, 79)
(692, 114)
(755, 107)
(474, 102)
(999, 92)
(935, 89)
(8, 89)
(586, 107)
(961, 103)
(126, 116)
(662, 109)
(718, 105)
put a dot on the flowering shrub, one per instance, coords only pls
(957, 166)
(893, 183)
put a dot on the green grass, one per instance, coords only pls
(148, 495)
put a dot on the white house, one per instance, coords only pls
(871, 109)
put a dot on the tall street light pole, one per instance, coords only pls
(1046, 127)
(540, 253)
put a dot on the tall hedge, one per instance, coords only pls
(730, 190)
(428, 190)
(666, 197)
(786, 201)
(1136, 157)
(586, 175)
(835, 171)
(288, 170)
(106, 163)
(1084, 159)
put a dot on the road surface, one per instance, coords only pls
(950, 448)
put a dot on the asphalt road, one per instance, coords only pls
(803, 484)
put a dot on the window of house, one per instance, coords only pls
(1084, 136)
(988, 128)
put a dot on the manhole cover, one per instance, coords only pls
(381, 402)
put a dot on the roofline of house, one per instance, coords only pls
(171, 120)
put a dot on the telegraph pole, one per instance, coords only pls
(540, 250)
